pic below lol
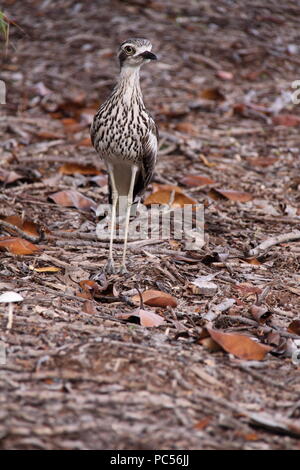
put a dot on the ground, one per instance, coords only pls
(79, 372)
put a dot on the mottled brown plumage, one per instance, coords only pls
(125, 135)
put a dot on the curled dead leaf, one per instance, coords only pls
(253, 261)
(168, 194)
(156, 298)
(246, 289)
(238, 196)
(287, 120)
(196, 180)
(26, 225)
(239, 345)
(261, 314)
(212, 94)
(146, 317)
(294, 327)
(8, 177)
(18, 246)
(73, 168)
(72, 198)
(46, 269)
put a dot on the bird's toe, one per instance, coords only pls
(123, 269)
(110, 267)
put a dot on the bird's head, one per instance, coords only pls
(135, 52)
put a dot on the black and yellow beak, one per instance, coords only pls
(148, 55)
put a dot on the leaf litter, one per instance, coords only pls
(227, 130)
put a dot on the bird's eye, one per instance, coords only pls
(129, 50)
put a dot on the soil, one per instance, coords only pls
(80, 371)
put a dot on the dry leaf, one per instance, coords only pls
(186, 127)
(294, 327)
(239, 345)
(156, 298)
(231, 195)
(26, 225)
(196, 180)
(9, 176)
(73, 168)
(71, 125)
(261, 314)
(146, 317)
(203, 423)
(18, 246)
(212, 94)
(85, 142)
(72, 198)
(89, 307)
(247, 289)
(262, 161)
(165, 193)
(46, 269)
(253, 261)
(288, 120)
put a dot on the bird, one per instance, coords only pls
(125, 137)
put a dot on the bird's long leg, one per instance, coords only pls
(134, 170)
(110, 262)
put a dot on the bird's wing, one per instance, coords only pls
(148, 160)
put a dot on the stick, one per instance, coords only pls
(27, 236)
(265, 245)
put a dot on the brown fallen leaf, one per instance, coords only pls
(253, 261)
(146, 317)
(71, 125)
(89, 307)
(261, 314)
(186, 127)
(85, 142)
(72, 198)
(26, 226)
(246, 289)
(239, 345)
(203, 423)
(89, 287)
(8, 177)
(212, 94)
(239, 196)
(73, 168)
(196, 180)
(294, 327)
(156, 298)
(288, 120)
(165, 193)
(46, 269)
(18, 246)
(262, 161)
(47, 135)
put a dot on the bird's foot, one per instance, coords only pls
(110, 267)
(123, 269)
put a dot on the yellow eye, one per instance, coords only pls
(129, 50)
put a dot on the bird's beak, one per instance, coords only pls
(148, 55)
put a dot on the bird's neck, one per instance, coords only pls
(129, 84)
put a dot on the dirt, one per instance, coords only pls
(80, 371)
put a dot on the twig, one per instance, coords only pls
(30, 238)
(265, 245)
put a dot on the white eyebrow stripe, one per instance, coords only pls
(139, 49)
